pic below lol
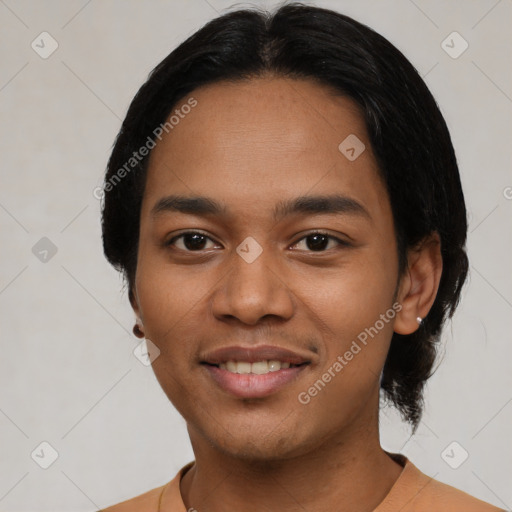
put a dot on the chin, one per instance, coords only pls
(258, 442)
(258, 450)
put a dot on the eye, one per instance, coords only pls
(194, 241)
(319, 241)
(191, 241)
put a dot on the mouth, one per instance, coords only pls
(254, 372)
(257, 368)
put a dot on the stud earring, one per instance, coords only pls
(137, 330)
(419, 320)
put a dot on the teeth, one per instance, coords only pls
(243, 368)
(258, 368)
(230, 366)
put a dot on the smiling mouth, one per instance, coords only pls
(254, 372)
(259, 379)
(256, 368)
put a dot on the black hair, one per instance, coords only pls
(406, 129)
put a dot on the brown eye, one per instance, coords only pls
(319, 242)
(191, 241)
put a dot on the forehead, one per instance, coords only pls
(265, 138)
(277, 113)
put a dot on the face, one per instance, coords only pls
(288, 260)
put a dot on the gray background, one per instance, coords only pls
(67, 372)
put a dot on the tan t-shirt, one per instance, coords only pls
(412, 492)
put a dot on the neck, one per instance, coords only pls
(345, 473)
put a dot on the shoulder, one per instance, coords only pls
(146, 502)
(451, 499)
(166, 496)
(429, 494)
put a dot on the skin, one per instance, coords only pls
(250, 145)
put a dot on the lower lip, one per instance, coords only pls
(252, 385)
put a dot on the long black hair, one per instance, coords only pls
(408, 135)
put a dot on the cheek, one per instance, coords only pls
(166, 313)
(167, 304)
(167, 295)
(352, 297)
(353, 308)
(356, 317)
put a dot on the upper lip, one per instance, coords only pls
(253, 355)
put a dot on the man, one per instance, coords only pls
(284, 201)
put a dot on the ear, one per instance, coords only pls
(132, 295)
(138, 328)
(419, 283)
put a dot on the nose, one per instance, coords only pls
(252, 291)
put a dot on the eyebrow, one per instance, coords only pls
(325, 204)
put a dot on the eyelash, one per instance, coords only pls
(340, 242)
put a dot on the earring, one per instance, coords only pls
(137, 330)
(419, 320)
